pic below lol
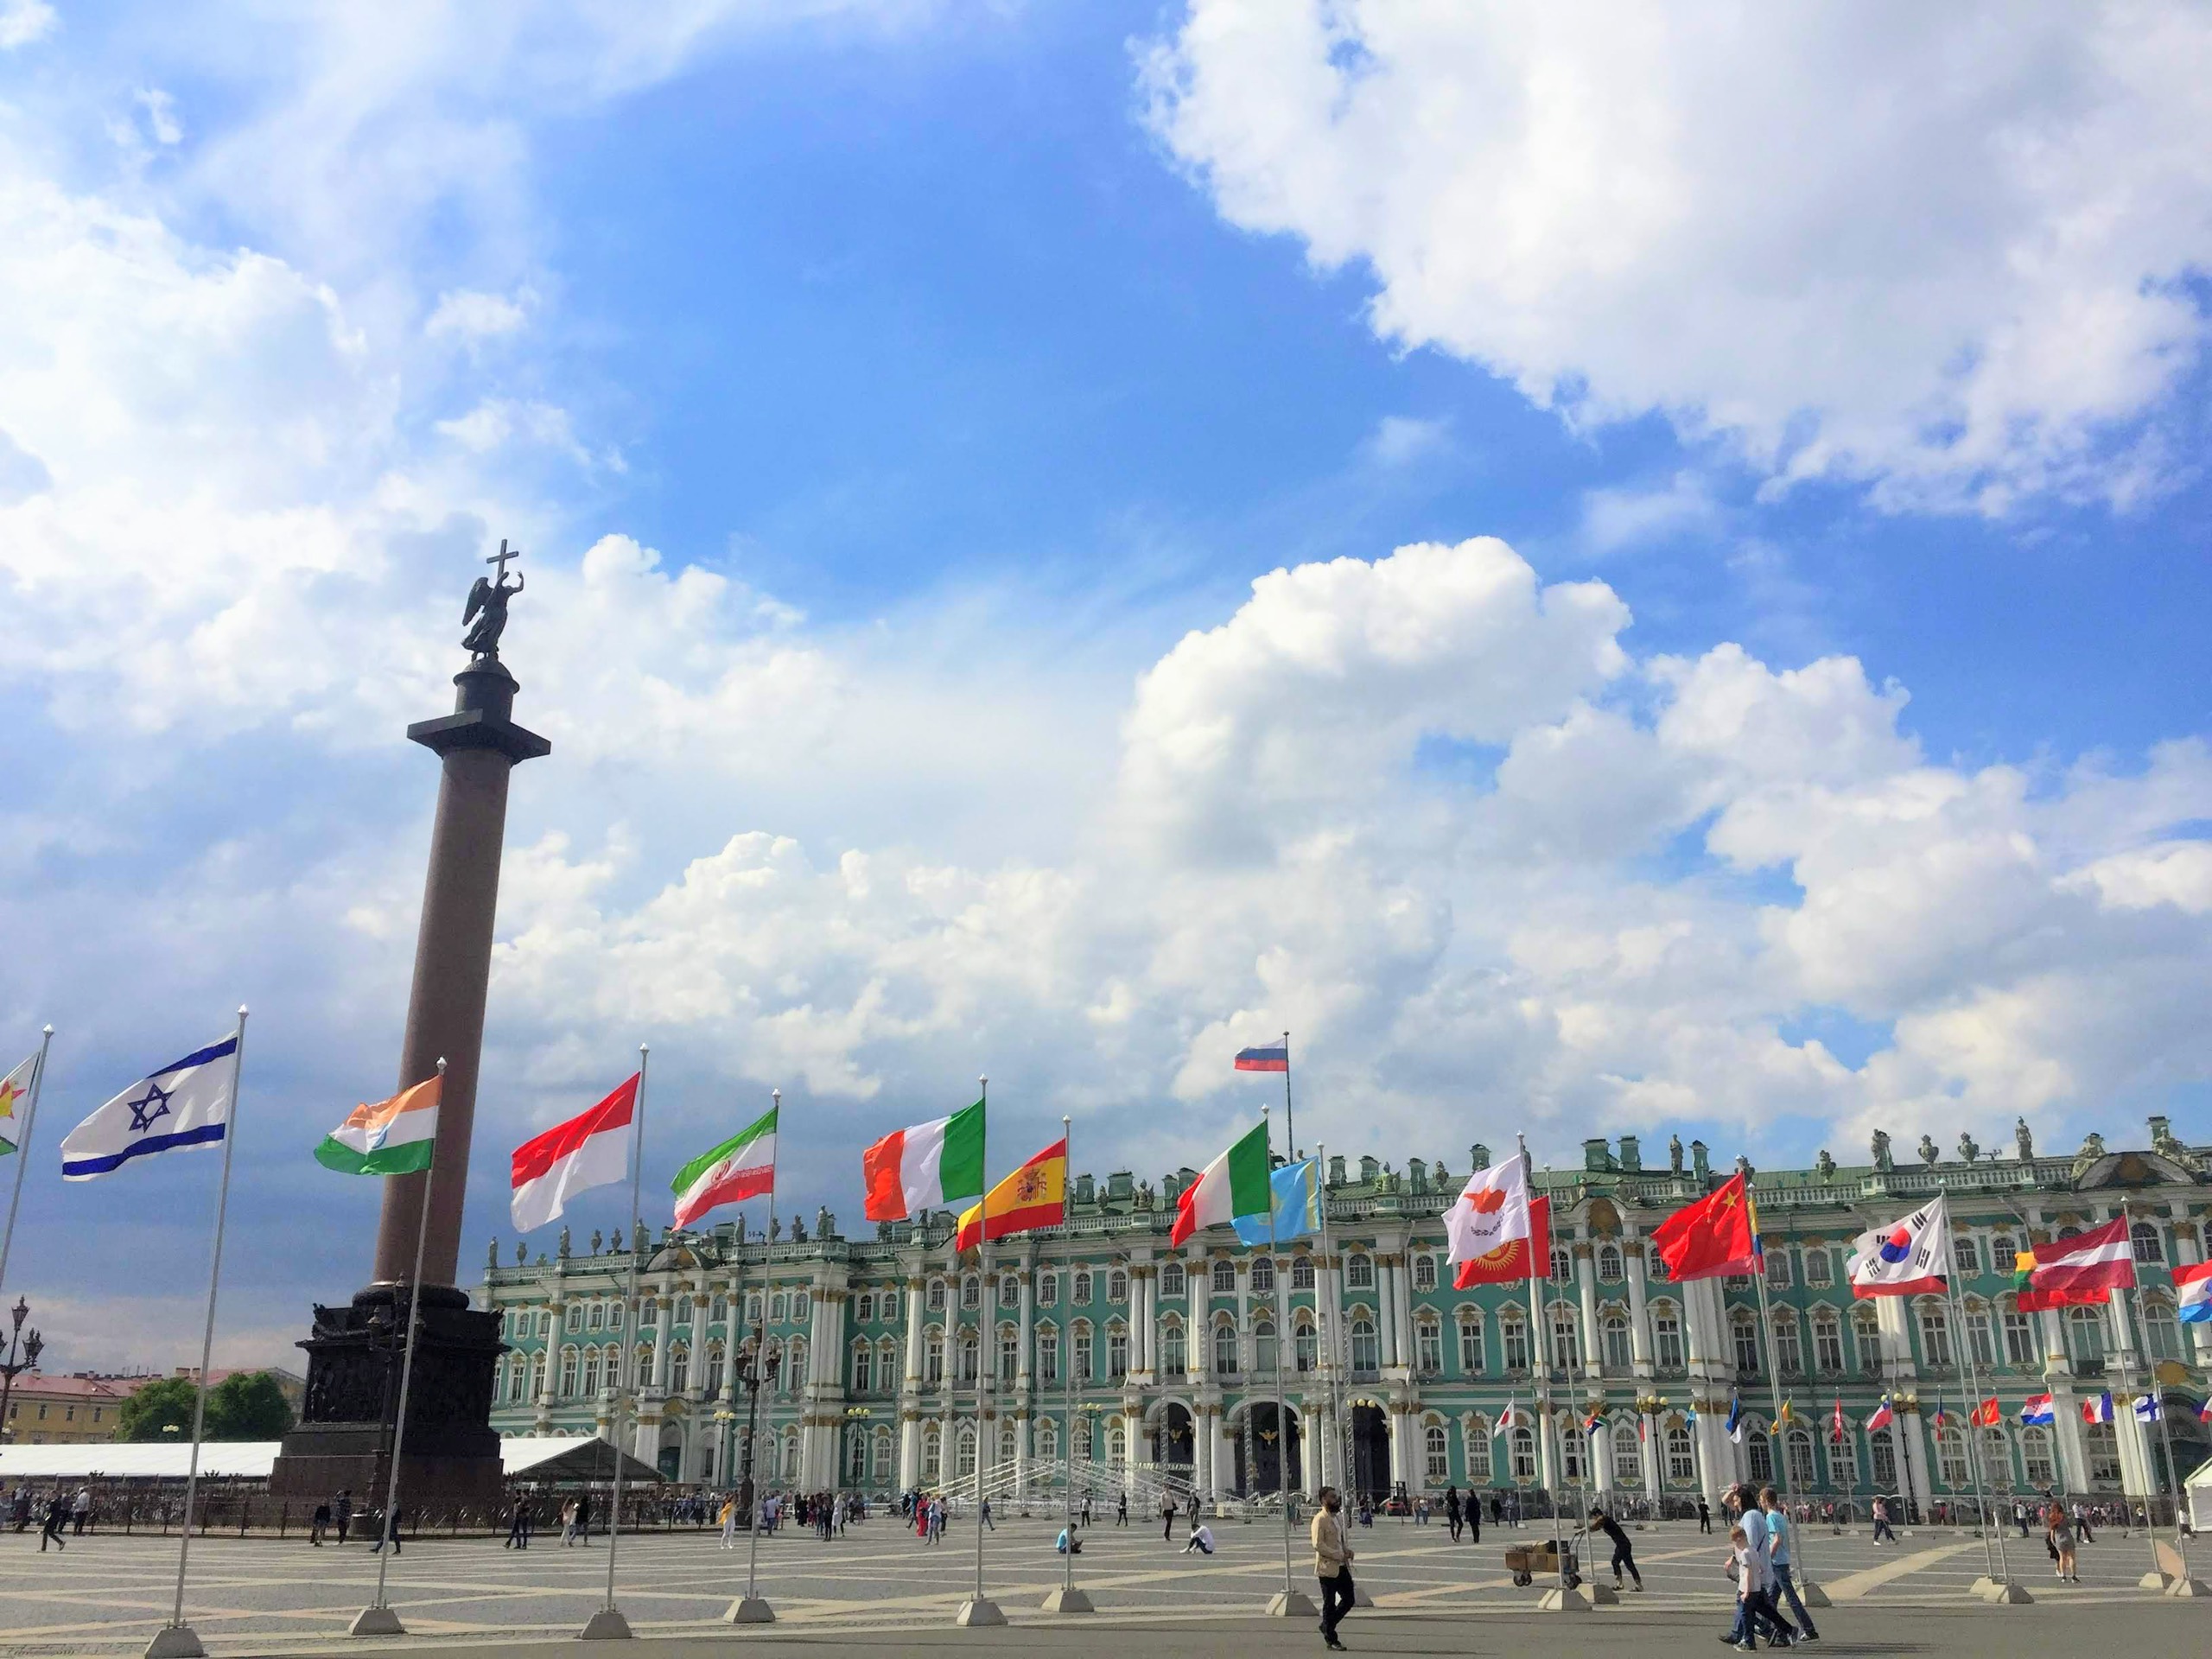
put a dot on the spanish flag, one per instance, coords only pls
(1036, 1195)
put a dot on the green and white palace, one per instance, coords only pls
(888, 1363)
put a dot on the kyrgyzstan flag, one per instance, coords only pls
(1717, 1234)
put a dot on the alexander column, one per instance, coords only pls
(352, 1353)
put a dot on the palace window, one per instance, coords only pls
(1745, 1331)
(1980, 1342)
(1798, 1443)
(1965, 1255)
(971, 1292)
(1827, 1342)
(1761, 1457)
(1522, 1443)
(1778, 1275)
(1080, 1295)
(1224, 1349)
(1425, 1278)
(2019, 1337)
(1619, 1350)
(1359, 1273)
(649, 1315)
(795, 1366)
(1609, 1263)
(1514, 1332)
(1997, 1459)
(1437, 1455)
(1628, 1465)
(971, 1357)
(1048, 1355)
(1009, 1291)
(1048, 1438)
(1666, 1338)
(1048, 1290)
(1263, 1345)
(574, 1318)
(1682, 1458)
(591, 1371)
(932, 1455)
(1819, 1269)
(596, 1319)
(1172, 1280)
(1884, 1452)
(936, 1296)
(2148, 1246)
(1117, 1287)
(1085, 1371)
(780, 1308)
(933, 1356)
(1572, 1464)
(1788, 1352)
(1470, 1346)
(1474, 1444)
(1562, 1265)
(1566, 1340)
(679, 1368)
(1428, 1348)
(2100, 1445)
(1224, 1276)
(1305, 1344)
(1366, 1355)
(2036, 1462)
(2087, 1334)
(1843, 1463)
(1936, 1336)
(2002, 1248)
(1171, 1349)
(1263, 1275)
(1117, 1353)
(1009, 1355)
(1866, 1331)
(1301, 1273)
(569, 1358)
(2160, 1330)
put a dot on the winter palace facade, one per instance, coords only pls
(887, 1361)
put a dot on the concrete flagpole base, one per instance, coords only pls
(376, 1621)
(1290, 1603)
(2160, 1582)
(977, 1611)
(2188, 1588)
(1068, 1600)
(750, 1610)
(608, 1625)
(175, 1641)
(1561, 1601)
(1813, 1595)
(1360, 1597)
(1599, 1595)
(2006, 1592)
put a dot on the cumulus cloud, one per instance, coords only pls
(23, 21)
(1949, 251)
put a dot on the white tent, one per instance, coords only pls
(579, 1458)
(2198, 1485)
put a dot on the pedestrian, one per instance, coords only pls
(322, 1523)
(1780, 1530)
(2081, 1523)
(1624, 1552)
(1201, 1540)
(1451, 1511)
(583, 1519)
(1122, 1511)
(57, 1516)
(1332, 1558)
(2020, 1516)
(345, 1513)
(2058, 1536)
(1166, 1519)
(1497, 1511)
(1474, 1517)
(729, 1521)
(984, 1510)
(517, 1526)
(1753, 1612)
(390, 1535)
(81, 1510)
(20, 1514)
(1086, 1508)
(1882, 1528)
(1704, 1515)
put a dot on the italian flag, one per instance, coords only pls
(393, 1137)
(1235, 1184)
(925, 1166)
(743, 1166)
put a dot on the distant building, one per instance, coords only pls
(61, 1410)
(1394, 1381)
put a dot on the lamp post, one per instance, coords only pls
(750, 1608)
(22, 1351)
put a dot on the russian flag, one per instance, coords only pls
(1268, 1057)
(2038, 1409)
(2097, 1409)
(2194, 1285)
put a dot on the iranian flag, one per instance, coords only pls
(924, 1167)
(743, 1166)
(1235, 1184)
(393, 1137)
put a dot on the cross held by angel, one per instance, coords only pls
(486, 614)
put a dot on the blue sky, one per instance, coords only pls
(899, 403)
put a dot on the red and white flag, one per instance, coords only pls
(2080, 1268)
(1912, 1257)
(1491, 1210)
(591, 1149)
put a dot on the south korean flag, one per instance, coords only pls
(1909, 1259)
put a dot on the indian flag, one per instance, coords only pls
(743, 1166)
(927, 1167)
(393, 1137)
(15, 1086)
(1235, 1184)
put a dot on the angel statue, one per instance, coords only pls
(485, 614)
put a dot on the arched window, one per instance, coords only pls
(799, 1305)
(1425, 1277)
(795, 1366)
(1951, 1459)
(1981, 1342)
(1470, 1341)
(2100, 1445)
(1843, 1461)
(1746, 1331)
(932, 1454)
(1513, 1334)
(1436, 1454)
(1118, 1446)
(780, 1308)
(1224, 1349)
(1866, 1336)
(1263, 1277)
(863, 1308)
(1789, 1351)
(1628, 1464)
(863, 1367)
(1609, 1263)
(1365, 1355)
(1935, 1335)
(963, 1452)
(1009, 1291)
(2087, 1333)
(1522, 1442)
(1117, 1287)
(575, 1321)
(568, 1361)
(591, 1371)
(936, 1296)
(1048, 1290)
(1572, 1466)
(2038, 1467)
(971, 1358)
(856, 1461)
(1009, 1441)
(933, 1355)
(1667, 1336)
(1777, 1267)
(1474, 1446)
(1118, 1350)
(1359, 1273)
(1827, 1342)
(1048, 1353)
(1305, 1342)
(714, 1368)
(1820, 1268)
(880, 1460)
(2149, 1247)
(1048, 1438)
(1566, 1339)
(1263, 1345)
(2160, 1330)
(1224, 1276)
(1681, 1457)
(1562, 1265)
(1966, 1254)
(1171, 1280)
(1760, 1454)
(1086, 1368)
(1171, 1349)
(1997, 1460)
(1803, 1475)
(791, 1455)
(596, 1319)
(971, 1291)
(1618, 1348)
(1428, 1346)
(2020, 1339)
(1080, 1292)
(1301, 1273)
(1009, 1353)
(2002, 1248)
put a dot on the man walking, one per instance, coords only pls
(391, 1533)
(1704, 1515)
(1122, 1511)
(57, 1516)
(81, 1510)
(1624, 1552)
(1167, 1519)
(1882, 1528)
(1779, 1532)
(517, 1526)
(1333, 1555)
(322, 1523)
(345, 1513)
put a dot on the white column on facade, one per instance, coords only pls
(1142, 1311)
(663, 1323)
(1197, 1285)
(1025, 1366)
(910, 1425)
(1600, 1453)
(1914, 1432)
(1402, 1301)
(1225, 1464)
(1639, 1316)
(1386, 1308)
(2135, 1463)
(1585, 1284)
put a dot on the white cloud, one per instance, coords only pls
(1618, 517)
(1399, 439)
(161, 116)
(467, 315)
(1946, 252)
(23, 21)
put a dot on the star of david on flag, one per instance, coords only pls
(185, 1103)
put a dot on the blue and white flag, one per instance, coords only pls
(1735, 1419)
(2149, 1409)
(185, 1103)
(1297, 1193)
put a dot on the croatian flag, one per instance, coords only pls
(185, 1103)
(2148, 1409)
(1268, 1057)
(1883, 1415)
(591, 1149)
(2097, 1409)
(2038, 1409)
(2195, 1286)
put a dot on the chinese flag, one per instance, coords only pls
(1714, 1236)
(1508, 1264)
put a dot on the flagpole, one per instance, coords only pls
(751, 1610)
(2133, 1308)
(2165, 1435)
(980, 1609)
(1289, 1123)
(1290, 1603)
(177, 1640)
(1069, 1599)
(1539, 1355)
(23, 1150)
(1777, 1439)
(607, 1624)
(364, 1624)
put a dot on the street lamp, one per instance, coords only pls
(22, 1351)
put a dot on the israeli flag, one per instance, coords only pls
(1297, 1198)
(185, 1103)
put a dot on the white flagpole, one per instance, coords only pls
(365, 1624)
(1068, 1599)
(177, 1640)
(981, 1609)
(1290, 1603)
(23, 1150)
(1539, 1353)
(751, 1610)
(608, 1622)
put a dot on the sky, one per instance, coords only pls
(1631, 579)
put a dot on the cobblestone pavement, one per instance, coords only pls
(886, 1590)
